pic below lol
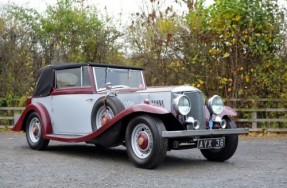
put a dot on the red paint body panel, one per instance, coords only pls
(227, 111)
(134, 109)
(43, 113)
(72, 90)
(92, 80)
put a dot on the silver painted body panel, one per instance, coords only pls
(161, 96)
(71, 113)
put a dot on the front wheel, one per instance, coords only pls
(34, 133)
(223, 154)
(145, 146)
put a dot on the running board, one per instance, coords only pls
(64, 137)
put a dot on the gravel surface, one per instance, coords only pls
(258, 162)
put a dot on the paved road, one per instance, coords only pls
(259, 162)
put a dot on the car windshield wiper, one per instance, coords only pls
(114, 87)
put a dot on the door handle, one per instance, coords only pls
(89, 100)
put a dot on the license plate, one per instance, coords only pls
(211, 143)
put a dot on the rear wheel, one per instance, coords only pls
(34, 134)
(223, 154)
(145, 146)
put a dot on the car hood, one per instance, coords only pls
(173, 89)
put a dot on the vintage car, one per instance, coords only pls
(110, 105)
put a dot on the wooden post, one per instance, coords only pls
(254, 120)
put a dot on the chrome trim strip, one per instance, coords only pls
(188, 133)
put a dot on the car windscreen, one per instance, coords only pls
(118, 78)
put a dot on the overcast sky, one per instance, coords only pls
(113, 6)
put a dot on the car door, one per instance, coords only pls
(72, 102)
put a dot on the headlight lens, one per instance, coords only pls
(182, 105)
(215, 104)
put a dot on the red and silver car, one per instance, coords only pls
(110, 105)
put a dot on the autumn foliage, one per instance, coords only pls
(235, 48)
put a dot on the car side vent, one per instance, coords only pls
(158, 102)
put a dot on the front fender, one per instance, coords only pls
(148, 108)
(227, 111)
(145, 108)
(110, 129)
(44, 116)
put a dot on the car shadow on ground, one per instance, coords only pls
(88, 150)
(119, 155)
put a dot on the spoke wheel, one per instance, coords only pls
(145, 146)
(34, 132)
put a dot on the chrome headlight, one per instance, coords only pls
(182, 105)
(215, 104)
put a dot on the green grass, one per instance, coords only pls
(5, 130)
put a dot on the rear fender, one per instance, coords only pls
(44, 116)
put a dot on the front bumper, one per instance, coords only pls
(208, 132)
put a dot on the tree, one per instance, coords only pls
(70, 31)
(155, 37)
(241, 43)
(15, 61)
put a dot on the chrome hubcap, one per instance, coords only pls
(142, 141)
(35, 130)
(103, 112)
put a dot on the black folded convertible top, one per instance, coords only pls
(45, 75)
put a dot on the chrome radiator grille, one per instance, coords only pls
(197, 106)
